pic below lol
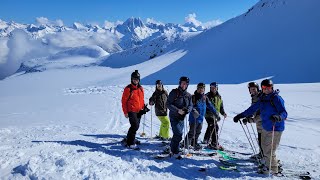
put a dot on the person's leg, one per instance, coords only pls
(198, 132)
(177, 128)
(259, 130)
(134, 122)
(266, 139)
(209, 130)
(164, 127)
(191, 134)
(214, 135)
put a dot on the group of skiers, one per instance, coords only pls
(267, 111)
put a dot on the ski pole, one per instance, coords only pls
(184, 135)
(248, 139)
(221, 129)
(255, 136)
(251, 139)
(215, 132)
(194, 133)
(187, 135)
(151, 123)
(144, 121)
(273, 127)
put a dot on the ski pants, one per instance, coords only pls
(193, 134)
(258, 122)
(212, 131)
(266, 147)
(164, 127)
(134, 122)
(177, 129)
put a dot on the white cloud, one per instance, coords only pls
(59, 22)
(212, 23)
(151, 20)
(4, 50)
(46, 21)
(109, 25)
(191, 18)
(42, 20)
(70, 39)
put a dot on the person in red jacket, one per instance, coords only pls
(133, 107)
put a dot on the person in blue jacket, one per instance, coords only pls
(179, 103)
(200, 103)
(273, 115)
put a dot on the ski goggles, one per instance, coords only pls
(266, 87)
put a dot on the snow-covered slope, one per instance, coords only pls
(277, 38)
(68, 124)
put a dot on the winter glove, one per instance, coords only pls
(185, 110)
(195, 114)
(275, 118)
(247, 120)
(218, 117)
(146, 109)
(181, 112)
(237, 118)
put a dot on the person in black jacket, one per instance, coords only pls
(180, 104)
(211, 135)
(159, 99)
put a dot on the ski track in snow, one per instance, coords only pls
(90, 148)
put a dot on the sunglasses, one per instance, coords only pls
(266, 87)
(136, 79)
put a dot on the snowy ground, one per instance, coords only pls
(68, 124)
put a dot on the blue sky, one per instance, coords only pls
(97, 11)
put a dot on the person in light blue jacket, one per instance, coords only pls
(200, 103)
(273, 115)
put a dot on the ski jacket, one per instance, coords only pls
(216, 100)
(179, 99)
(159, 99)
(201, 103)
(132, 98)
(271, 104)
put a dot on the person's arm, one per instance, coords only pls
(190, 105)
(222, 111)
(152, 99)
(124, 100)
(171, 100)
(251, 110)
(142, 98)
(279, 104)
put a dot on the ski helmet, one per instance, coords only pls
(184, 78)
(201, 85)
(136, 75)
(267, 82)
(214, 84)
(253, 84)
(158, 82)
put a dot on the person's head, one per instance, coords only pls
(159, 85)
(135, 77)
(253, 88)
(214, 87)
(184, 82)
(201, 87)
(267, 86)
